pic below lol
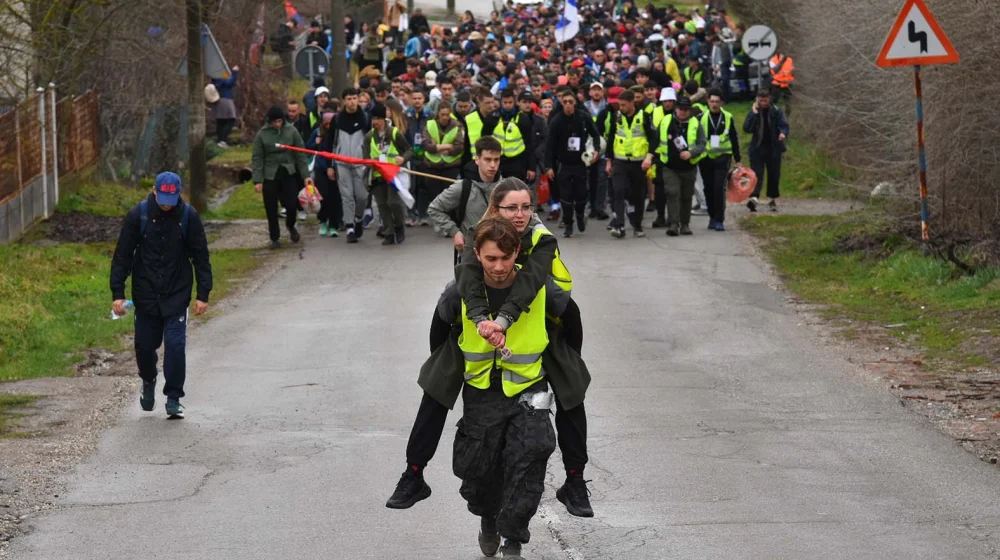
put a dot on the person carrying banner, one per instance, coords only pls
(386, 143)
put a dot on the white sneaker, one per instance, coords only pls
(302, 216)
(282, 212)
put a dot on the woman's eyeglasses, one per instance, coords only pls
(526, 209)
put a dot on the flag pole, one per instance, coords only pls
(328, 155)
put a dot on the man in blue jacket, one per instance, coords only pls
(769, 128)
(161, 239)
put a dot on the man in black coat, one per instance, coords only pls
(569, 130)
(161, 239)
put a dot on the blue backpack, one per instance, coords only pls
(144, 219)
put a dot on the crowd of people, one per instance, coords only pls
(626, 117)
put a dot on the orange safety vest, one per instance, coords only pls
(782, 71)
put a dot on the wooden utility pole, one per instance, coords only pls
(197, 176)
(451, 7)
(338, 62)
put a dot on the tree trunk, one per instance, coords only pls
(451, 7)
(338, 63)
(196, 106)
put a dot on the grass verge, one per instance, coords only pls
(917, 298)
(100, 198)
(233, 156)
(244, 203)
(10, 405)
(55, 304)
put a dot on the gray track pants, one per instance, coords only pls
(353, 193)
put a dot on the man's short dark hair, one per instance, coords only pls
(349, 91)
(642, 72)
(488, 144)
(383, 87)
(627, 95)
(464, 96)
(507, 92)
(444, 80)
(716, 92)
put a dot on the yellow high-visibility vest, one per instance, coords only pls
(526, 340)
(374, 152)
(449, 138)
(725, 144)
(692, 138)
(511, 141)
(630, 142)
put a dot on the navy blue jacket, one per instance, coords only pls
(160, 261)
(777, 125)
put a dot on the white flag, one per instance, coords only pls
(569, 24)
(402, 185)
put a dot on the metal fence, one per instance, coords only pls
(39, 141)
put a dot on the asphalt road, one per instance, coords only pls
(719, 427)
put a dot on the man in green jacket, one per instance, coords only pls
(277, 172)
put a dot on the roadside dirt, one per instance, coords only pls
(964, 403)
(71, 412)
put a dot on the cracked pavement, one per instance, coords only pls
(720, 427)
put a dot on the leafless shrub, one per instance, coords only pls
(866, 115)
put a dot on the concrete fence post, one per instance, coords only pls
(45, 167)
(20, 165)
(55, 143)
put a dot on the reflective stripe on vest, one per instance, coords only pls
(725, 144)
(449, 138)
(509, 135)
(526, 340)
(783, 75)
(559, 273)
(374, 152)
(692, 138)
(473, 129)
(631, 143)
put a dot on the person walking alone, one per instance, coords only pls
(160, 242)
(769, 128)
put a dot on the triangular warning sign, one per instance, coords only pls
(916, 39)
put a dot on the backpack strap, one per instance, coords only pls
(463, 201)
(185, 220)
(143, 217)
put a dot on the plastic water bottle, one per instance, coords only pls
(128, 305)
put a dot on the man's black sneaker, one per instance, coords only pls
(276, 244)
(575, 496)
(410, 489)
(489, 538)
(351, 236)
(359, 229)
(175, 409)
(568, 232)
(400, 235)
(773, 205)
(147, 400)
(659, 222)
(511, 549)
(752, 204)
(618, 232)
(389, 240)
(650, 206)
(673, 230)
(686, 230)
(294, 232)
(602, 215)
(581, 222)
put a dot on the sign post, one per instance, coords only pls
(760, 42)
(923, 43)
(311, 62)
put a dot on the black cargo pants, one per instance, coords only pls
(501, 450)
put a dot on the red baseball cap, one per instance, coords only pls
(613, 94)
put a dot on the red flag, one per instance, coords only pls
(388, 171)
